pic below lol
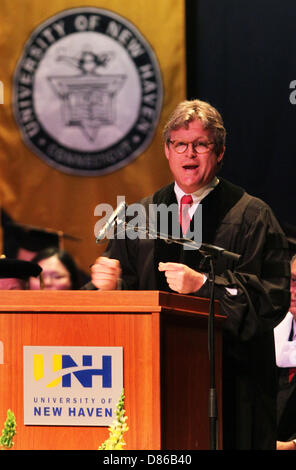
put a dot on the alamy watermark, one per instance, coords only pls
(292, 96)
(136, 221)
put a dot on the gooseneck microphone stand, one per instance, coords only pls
(213, 409)
(209, 253)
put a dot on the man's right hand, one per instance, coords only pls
(289, 445)
(105, 273)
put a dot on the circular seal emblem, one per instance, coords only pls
(87, 92)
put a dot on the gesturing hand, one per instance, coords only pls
(105, 273)
(181, 278)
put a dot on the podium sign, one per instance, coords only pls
(56, 371)
(75, 386)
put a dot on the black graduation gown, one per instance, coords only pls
(238, 222)
(286, 406)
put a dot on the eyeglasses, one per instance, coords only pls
(199, 146)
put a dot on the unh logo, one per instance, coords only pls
(65, 366)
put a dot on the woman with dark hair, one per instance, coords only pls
(59, 270)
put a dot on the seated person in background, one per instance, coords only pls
(285, 349)
(15, 274)
(59, 271)
(24, 241)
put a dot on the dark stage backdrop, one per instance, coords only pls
(241, 57)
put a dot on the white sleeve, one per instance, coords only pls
(285, 350)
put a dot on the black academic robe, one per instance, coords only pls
(240, 223)
(286, 406)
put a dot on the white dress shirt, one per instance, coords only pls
(285, 350)
(197, 196)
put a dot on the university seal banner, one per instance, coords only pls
(87, 90)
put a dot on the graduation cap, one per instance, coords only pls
(18, 269)
(30, 237)
(36, 238)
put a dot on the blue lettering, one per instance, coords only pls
(47, 411)
(90, 411)
(85, 376)
(67, 361)
(57, 411)
(108, 412)
(87, 360)
(81, 412)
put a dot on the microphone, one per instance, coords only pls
(217, 251)
(204, 248)
(110, 222)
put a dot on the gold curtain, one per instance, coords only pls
(35, 192)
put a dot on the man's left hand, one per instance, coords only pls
(181, 278)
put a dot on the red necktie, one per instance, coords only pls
(186, 202)
(292, 371)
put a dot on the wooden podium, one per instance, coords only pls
(166, 367)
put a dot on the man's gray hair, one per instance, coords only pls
(190, 110)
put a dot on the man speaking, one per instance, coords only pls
(253, 294)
